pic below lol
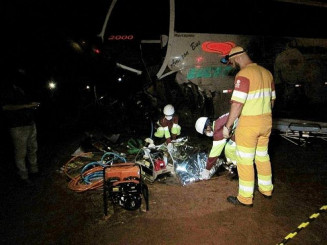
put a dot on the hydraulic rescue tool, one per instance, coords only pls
(123, 185)
(153, 163)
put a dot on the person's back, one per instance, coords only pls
(261, 87)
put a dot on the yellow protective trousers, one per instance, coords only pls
(252, 138)
(230, 149)
(217, 148)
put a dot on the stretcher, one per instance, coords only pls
(300, 132)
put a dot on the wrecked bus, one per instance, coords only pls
(176, 47)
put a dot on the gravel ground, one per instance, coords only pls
(51, 213)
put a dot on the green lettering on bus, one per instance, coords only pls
(208, 72)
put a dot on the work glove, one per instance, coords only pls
(226, 132)
(205, 174)
(150, 143)
(170, 147)
(149, 140)
(146, 153)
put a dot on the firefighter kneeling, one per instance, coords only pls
(215, 129)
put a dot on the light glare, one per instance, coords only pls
(52, 85)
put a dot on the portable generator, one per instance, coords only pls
(123, 185)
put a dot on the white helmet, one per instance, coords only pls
(169, 110)
(200, 124)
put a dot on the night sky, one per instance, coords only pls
(38, 34)
(39, 28)
(36, 40)
(36, 28)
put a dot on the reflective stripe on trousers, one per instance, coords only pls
(167, 133)
(160, 132)
(176, 129)
(252, 145)
(230, 151)
(217, 148)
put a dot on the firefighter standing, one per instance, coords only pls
(252, 101)
(168, 126)
(215, 129)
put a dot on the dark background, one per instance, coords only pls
(38, 38)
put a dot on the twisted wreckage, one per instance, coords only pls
(184, 67)
(191, 60)
(123, 177)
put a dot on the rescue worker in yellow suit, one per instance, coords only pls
(168, 126)
(252, 102)
(215, 129)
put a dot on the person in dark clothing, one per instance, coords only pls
(19, 112)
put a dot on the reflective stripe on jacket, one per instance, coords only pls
(254, 84)
(168, 128)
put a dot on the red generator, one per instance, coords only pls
(123, 185)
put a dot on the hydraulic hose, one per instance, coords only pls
(116, 155)
(94, 175)
(91, 176)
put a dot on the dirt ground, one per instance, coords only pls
(198, 213)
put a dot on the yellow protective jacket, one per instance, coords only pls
(219, 143)
(254, 88)
(257, 94)
(169, 129)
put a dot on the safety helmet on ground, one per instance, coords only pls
(169, 110)
(234, 52)
(201, 124)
